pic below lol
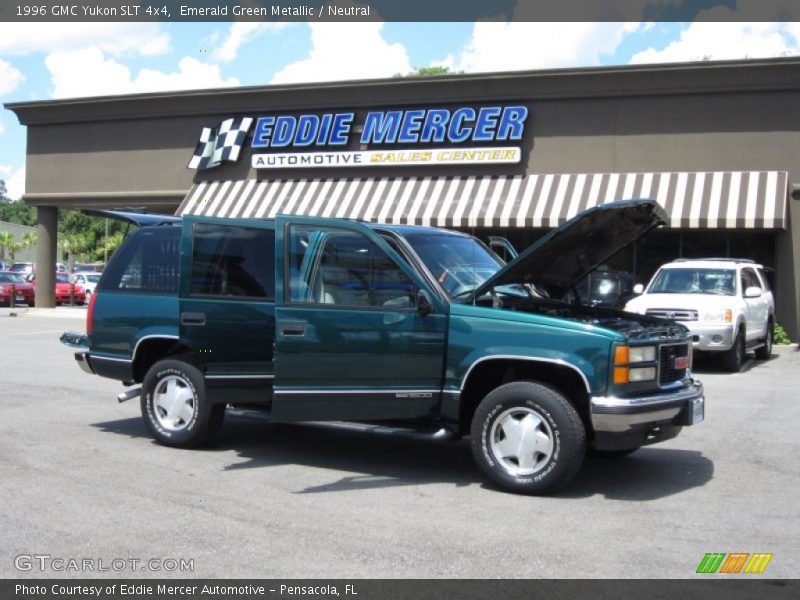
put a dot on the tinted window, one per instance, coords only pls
(228, 260)
(148, 261)
(749, 279)
(765, 279)
(344, 268)
(11, 278)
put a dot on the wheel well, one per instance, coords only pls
(491, 374)
(151, 351)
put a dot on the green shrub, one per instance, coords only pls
(780, 336)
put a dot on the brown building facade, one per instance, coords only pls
(514, 154)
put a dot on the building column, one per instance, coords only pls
(46, 245)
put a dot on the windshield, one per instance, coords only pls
(62, 278)
(11, 278)
(459, 264)
(93, 278)
(720, 282)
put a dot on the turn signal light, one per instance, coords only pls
(90, 314)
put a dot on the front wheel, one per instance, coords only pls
(528, 438)
(733, 359)
(174, 405)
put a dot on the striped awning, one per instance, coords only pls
(723, 199)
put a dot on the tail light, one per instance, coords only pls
(90, 314)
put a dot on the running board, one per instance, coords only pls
(129, 394)
(440, 434)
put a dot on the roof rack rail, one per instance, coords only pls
(717, 259)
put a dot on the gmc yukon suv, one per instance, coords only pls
(321, 319)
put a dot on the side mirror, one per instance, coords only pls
(424, 304)
(638, 289)
(752, 292)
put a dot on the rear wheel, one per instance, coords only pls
(527, 438)
(174, 405)
(765, 351)
(733, 359)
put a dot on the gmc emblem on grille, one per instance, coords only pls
(670, 315)
(681, 362)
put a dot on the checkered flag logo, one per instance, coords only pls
(221, 143)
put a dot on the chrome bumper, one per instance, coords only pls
(82, 358)
(623, 415)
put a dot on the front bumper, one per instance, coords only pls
(621, 423)
(711, 338)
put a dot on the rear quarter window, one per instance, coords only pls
(148, 261)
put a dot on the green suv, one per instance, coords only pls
(426, 330)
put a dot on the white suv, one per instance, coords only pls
(726, 303)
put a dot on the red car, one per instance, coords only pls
(62, 289)
(24, 293)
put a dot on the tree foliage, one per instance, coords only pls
(18, 212)
(429, 72)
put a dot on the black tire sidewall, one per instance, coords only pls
(568, 436)
(194, 433)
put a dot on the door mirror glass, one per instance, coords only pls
(752, 292)
(638, 289)
(424, 304)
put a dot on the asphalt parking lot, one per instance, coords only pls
(81, 478)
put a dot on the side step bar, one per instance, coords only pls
(129, 394)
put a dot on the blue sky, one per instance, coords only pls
(41, 61)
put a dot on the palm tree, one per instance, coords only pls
(29, 239)
(109, 245)
(73, 244)
(6, 241)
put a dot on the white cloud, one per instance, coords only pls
(10, 77)
(5, 170)
(16, 184)
(87, 72)
(147, 39)
(341, 51)
(2, 130)
(241, 33)
(525, 45)
(727, 41)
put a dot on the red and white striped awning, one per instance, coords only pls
(694, 200)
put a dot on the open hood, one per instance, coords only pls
(565, 255)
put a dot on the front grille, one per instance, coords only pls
(667, 371)
(674, 314)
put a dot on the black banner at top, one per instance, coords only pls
(402, 10)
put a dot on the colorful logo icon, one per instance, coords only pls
(735, 562)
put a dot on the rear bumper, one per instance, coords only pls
(621, 423)
(82, 358)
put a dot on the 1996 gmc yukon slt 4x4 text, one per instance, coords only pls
(319, 319)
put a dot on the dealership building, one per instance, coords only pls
(717, 144)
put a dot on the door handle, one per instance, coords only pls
(295, 330)
(193, 318)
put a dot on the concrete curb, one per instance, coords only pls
(60, 312)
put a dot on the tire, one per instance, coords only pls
(611, 453)
(174, 405)
(554, 436)
(765, 352)
(733, 359)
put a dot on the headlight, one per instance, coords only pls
(642, 354)
(718, 316)
(645, 374)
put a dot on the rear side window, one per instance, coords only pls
(765, 279)
(147, 262)
(230, 260)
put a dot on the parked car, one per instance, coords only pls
(4, 265)
(87, 268)
(87, 281)
(400, 327)
(726, 303)
(23, 268)
(63, 289)
(24, 293)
